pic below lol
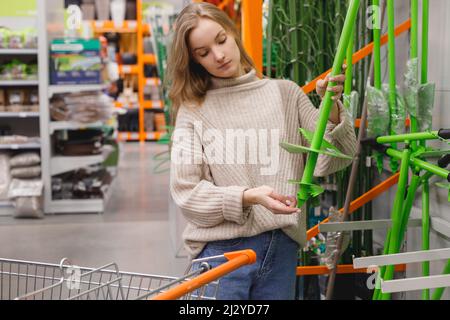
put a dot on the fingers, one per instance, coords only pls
(339, 78)
(278, 207)
(278, 197)
(292, 201)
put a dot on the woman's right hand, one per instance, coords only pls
(267, 197)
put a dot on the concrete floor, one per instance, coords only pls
(133, 231)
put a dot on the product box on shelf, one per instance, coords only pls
(75, 61)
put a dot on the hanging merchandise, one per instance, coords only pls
(377, 111)
(398, 114)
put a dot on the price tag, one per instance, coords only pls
(99, 24)
(22, 114)
(368, 162)
(14, 146)
(132, 24)
(126, 69)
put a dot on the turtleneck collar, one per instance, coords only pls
(218, 83)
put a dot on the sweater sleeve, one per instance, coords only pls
(191, 185)
(341, 135)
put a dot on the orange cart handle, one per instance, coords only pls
(236, 259)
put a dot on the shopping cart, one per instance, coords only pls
(26, 280)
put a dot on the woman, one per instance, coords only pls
(235, 195)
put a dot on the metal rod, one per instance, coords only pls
(400, 258)
(437, 295)
(396, 215)
(304, 193)
(363, 225)
(426, 232)
(443, 173)
(408, 137)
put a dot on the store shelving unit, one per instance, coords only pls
(51, 25)
(18, 83)
(141, 29)
(12, 117)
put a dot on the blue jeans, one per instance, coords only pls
(271, 277)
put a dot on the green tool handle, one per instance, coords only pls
(408, 137)
(317, 140)
(437, 295)
(426, 232)
(391, 56)
(441, 172)
(349, 71)
(414, 51)
(425, 22)
(377, 46)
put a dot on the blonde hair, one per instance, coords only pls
(188, 80)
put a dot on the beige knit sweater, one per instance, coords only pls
(210, 170)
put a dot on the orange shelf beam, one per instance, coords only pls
(341, 269)
(361, 54)
(149, 59)
(128, 26)
(252, 30)
(358, 123)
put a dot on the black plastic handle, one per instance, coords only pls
(444, 133)
(372, 142)
(444, 161)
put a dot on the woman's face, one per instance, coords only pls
(215, 50)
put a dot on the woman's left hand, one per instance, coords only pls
(322, 85)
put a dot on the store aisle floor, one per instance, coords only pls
(133, 232)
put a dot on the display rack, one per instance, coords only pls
(14, 116)
(51, 25)
(141, 29)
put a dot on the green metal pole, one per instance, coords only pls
(304, 192)
(426, 232)
(349, 71)
(294, 41)
(408, 136)
(396, 214)
(377, 292)
(377, 45)
(412, 189)
(392, 74)
(425, 22)
(443, 173)
(426, 186)
(437, 295)
(414, 52)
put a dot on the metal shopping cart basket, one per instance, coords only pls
(26, 280)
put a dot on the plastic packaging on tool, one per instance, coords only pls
(327, 258)
(411, 92)
(419, 98)
(398, 118)
(426, 104)
(352, 101)
(377, 112)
